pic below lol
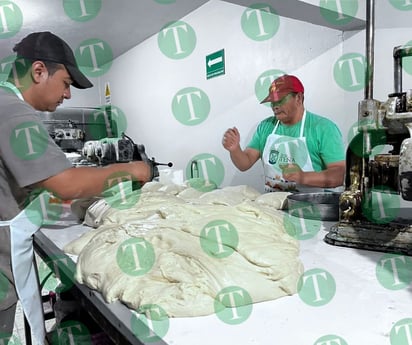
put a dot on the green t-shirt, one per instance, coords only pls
(323, 138)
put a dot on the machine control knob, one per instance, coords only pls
(345, 205)
(349, 205)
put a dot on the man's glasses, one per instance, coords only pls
(282, 101)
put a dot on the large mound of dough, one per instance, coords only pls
(185, 278)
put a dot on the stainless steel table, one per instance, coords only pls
(362, 310)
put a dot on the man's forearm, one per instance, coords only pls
(241, 159)
(329, 178)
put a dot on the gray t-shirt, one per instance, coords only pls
(27, 155)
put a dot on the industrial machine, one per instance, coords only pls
(117, 150)
(67, 135)
(113, 150)
(374, 212)
(86, 144)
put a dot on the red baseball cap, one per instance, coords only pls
(283, 86)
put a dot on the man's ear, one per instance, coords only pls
(300, 96)
(38, 71)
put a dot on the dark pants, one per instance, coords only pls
(7, 322)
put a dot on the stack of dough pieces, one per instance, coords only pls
(185, 279)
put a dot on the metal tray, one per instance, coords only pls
(318, 206)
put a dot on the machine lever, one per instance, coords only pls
(170, 164)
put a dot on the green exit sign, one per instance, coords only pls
(215, 64)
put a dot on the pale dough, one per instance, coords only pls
(185, 279)
(277, 200)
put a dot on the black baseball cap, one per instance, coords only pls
(46, 46)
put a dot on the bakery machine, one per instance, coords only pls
(90, 143)
(374, 209)
(66, 134)
(118, 150)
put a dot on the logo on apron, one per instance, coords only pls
(273, 156)
(281, 152)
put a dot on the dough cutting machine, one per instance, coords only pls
(374, 211)
(93, 142)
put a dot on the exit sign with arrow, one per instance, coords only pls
(215, 64)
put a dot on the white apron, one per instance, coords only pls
(280, 151)
(22, 263)
(24, 272)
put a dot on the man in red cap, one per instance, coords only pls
(300, 151)
(44, 70)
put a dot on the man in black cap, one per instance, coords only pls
(45, 69)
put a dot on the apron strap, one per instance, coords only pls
(302, 125)
(25, 273)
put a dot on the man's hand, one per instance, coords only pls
(242, 159)
(142, 171)
(231, 139)
(293, 172)
(332, 176)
